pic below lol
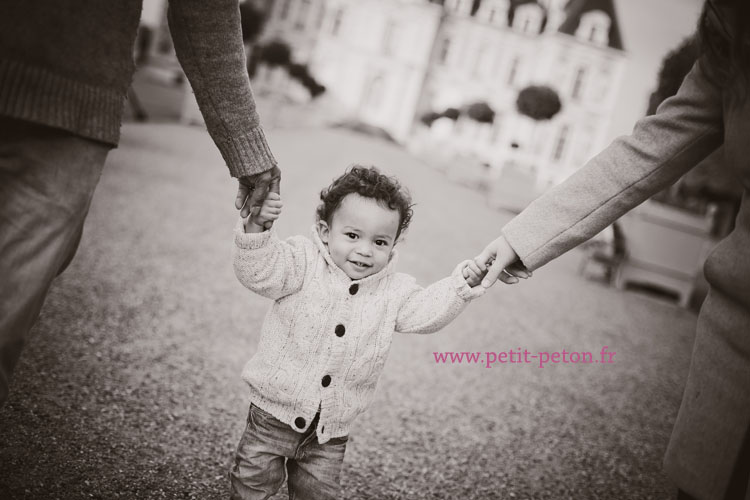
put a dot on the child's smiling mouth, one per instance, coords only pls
(360, 265)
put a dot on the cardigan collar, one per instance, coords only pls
(340, 274)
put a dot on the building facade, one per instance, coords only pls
(390, 61)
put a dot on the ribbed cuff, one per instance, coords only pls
(247, 155)
(37, 95)
(251, 241)
(463, 289)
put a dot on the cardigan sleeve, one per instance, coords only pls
(685, 129)
(208, 41)
(427, 310)
(268, 266)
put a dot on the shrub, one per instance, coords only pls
(276, 53)
(538, 102)
(481, 112)
(252, 21)
(429, 117)
(451, 113)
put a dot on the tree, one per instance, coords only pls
(429, 117)
(252, 21)
(710, 181)
(276, 53)
(480, 112)
(538, 102)
(451, 114)
(674, 67)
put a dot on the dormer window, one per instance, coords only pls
(494, 12)
(302, 14)
(444, 50)
(528, 18)
(389, 34)
(338, 18)
(594, 28)
(461, 7)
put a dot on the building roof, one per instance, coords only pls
(576, 8)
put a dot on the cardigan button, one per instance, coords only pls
(299, 422)
(326, 381)
(354, 289)
(340, 330)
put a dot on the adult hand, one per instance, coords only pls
(503, 262)
(253, 189)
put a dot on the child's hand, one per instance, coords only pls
(269, 212)
(473, 274)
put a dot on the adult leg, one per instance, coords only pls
(47, 180)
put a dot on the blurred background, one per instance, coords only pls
(507, 97)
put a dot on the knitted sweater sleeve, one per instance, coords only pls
(208, 41)
(268, 266)
(685, 129)
(427, 310)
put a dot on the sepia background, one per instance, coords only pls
(130, 388)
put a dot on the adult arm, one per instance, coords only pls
(208, 41)
(685, 129)
(427, 310)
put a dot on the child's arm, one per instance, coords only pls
(427, 310)
(269, 212)
(262, 262)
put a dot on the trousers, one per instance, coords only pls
(270, 450)
(47, 179)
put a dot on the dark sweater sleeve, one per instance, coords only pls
(208, 41)
(685, 129)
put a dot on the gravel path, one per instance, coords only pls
(129, 387)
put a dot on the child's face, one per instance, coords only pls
(361, 235)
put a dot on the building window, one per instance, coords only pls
(493, 12)
(304, 10)
(388, 36)
(285, 6)
(374, 94)
(480, 61)
(577, 91)
(528, 18)
(338, 18)
(444, 51)
(562, 140)
(496, 128)
(513, 73)
(321, 16)
(594, 27)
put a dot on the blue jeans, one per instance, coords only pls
(47, 179)
(270, 449)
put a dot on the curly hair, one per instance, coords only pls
(370, 183)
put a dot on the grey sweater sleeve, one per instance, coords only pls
(685, 129)
(207, 37)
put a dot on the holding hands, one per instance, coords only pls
(498, 260)
(503, 263)
(267, 213)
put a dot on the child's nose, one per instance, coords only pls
(364, 249)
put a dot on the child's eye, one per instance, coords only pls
(381, 243)
(352, 235)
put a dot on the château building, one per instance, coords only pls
(391, 61)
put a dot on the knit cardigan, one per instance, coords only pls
(69, 64)
(325, 340)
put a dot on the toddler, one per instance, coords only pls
(326, 338)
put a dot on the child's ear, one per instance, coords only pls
(323, 231)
